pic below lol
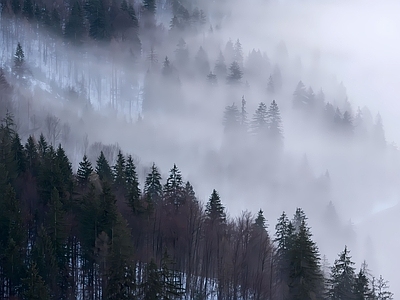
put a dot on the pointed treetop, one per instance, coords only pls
(260, 220)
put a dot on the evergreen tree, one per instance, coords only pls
(201, 62)
(283, 236)
(275, 122)
(229, 52)
(238, 53)
(108, 211)
(74, 27)
(132, 184)
(124, 5)
(259, 123)
(342, 277)
(231, 119)
(300, 97)
(361, 286)
(18, 154)
(190, 195)
(167, 69)
(271, 85)
(103, 168)
(382, 290)
(260, 220)
(57, 229)
(132, 14)
(171, 283)
(119, 171)
(150, 6)
(149, 13)
(212, 79)
(378, 133)
(84, 171)
(28, 9)
(220, 66)
(35, 287)
(152, 186)
(174, 188)
(347, 124)
(19, 61)
(338, 118)
(99, 27)
(16, 6)
(121, 272)
(182, 53)
(56, 21)
(305, 276)
(31, 153)
(44, 256)
(235, 74)
(243, 115)
(215, 211)
(152, 58)
(152, 287)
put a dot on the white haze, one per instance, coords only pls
(357, 43)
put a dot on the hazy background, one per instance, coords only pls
(327, 42)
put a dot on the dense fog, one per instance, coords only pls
(327, 71)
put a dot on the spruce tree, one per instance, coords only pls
(182, 53)
(215, 211)
(260, 220)
(74, 27)
(99, 27)
(271, 85)
(18, 154)
(149, 13)
(31, 153)
(103, 168)
(212, 79)
(381, 288)
(235, 74)
(283, 236)
(238, 53)
(362, 286)
(19, 61)
(275, 122)
(84, 171)
(378, 136)
(231, 119)
(174, 188)
(152, 187)
(16, 6)
(305, 275)
(172, 286)
(119, 171)
(201, 62)
(56, 21)
(28, 9)
(259, 123)
(342, 277)
(243, 115)
(300, 96)
(152, 287)
(132, 185)
(35, 287)
(220, 66)
(121, 272)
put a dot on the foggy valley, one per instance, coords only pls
(186, 149)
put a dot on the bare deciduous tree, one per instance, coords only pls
(52, 128)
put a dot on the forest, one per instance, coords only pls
(98, 99)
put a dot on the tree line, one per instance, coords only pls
(96, 234)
